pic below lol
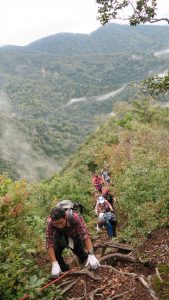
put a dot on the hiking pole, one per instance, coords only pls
(45, 286)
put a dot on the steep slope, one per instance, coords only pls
(134, 146)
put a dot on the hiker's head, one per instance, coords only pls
(106, 191)
(101, 200)
(58, 217)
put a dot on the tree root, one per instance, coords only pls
(67, 288)
(146, 263)
(113, 245)
(151, 292)
(93, 293)
(90, 294)
(119, 272)
(118, 256)
(64, 283)
(140, 278)
(158, 275)
(120, 295)
(85, 272)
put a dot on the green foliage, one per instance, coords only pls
(126, 121)
(5, 183)
(38, 82)
(144, 110)
(92, 166)
(137, 155)
(18, 218)
(142, 11)
(156, 85)
(161, 287)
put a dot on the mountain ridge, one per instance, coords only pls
(40, 83)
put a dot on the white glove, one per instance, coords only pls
(56, 270)
(92, 262)
(70, 243)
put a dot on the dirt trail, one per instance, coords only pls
(126, 273)
(120, 278)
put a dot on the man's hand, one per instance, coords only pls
(92, 262)
(56, 270)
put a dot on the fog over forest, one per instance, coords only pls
(15, 147)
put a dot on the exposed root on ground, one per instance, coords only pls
(113, 245)
(118, 256)
(144, 282)
(85, 272)
(120, 275)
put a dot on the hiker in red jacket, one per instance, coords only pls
(97, 182)
(67, 229)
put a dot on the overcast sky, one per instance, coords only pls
(23, 21)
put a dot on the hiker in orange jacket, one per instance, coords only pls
(97, 181)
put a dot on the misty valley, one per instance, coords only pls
(55, 91)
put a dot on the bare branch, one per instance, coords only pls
(158, 20)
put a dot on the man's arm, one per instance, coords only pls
(49, 240)
(88, 244)
(96, 209)
(111, 208)
(51, 253)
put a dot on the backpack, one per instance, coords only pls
(69, 207)
(108, 216)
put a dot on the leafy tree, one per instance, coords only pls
(142, 11)
(156, 85)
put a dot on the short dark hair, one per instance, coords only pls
(57, 213)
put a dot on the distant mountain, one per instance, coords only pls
(55, 90)
(110, 39)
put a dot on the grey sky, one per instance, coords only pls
(23, 21)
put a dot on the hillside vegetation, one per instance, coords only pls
(135, 145)
(49, 89)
